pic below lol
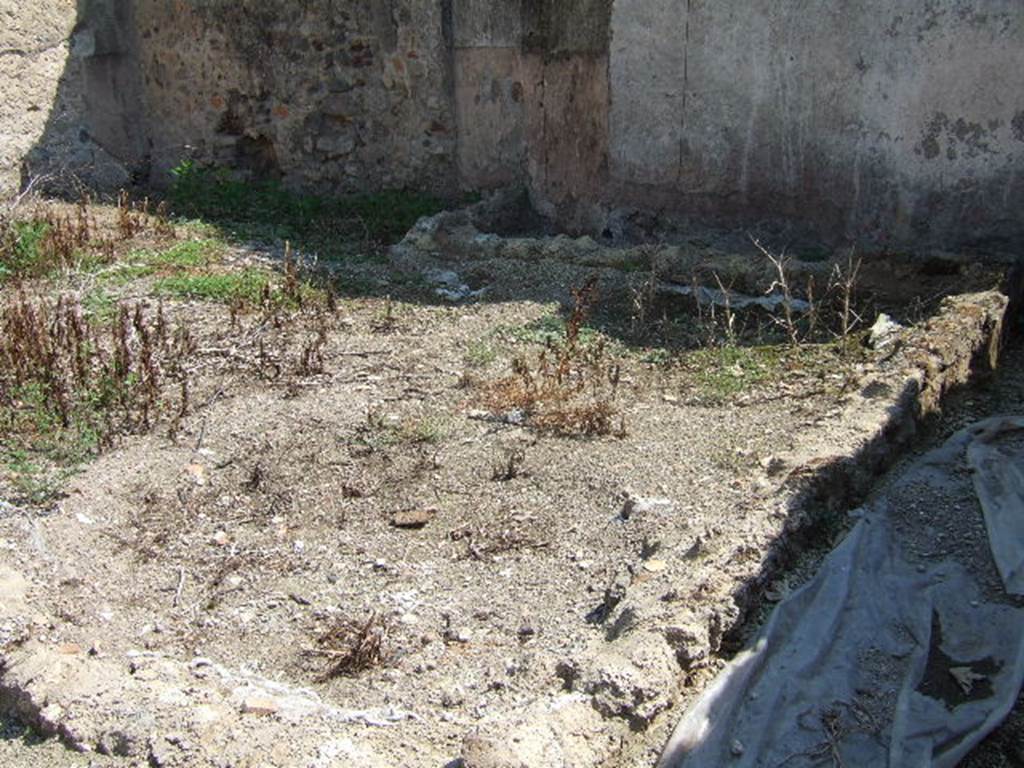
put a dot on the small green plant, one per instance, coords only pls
(247, 286)
(722, 373)
(188, 254)
(481, 353)
(100, 306)
(44, 244)
(32, 483)
(24, 247)
(428, 430)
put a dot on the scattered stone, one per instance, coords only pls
(526, 632)
(196, 473)
(884, 332)
(452, 696)
(632, 680)
(655, 566)
(697, 548)
(255, 704)
(773, 465)
(642, 505)
(452, 635)
(565, 732)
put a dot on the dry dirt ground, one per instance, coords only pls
(341, 551)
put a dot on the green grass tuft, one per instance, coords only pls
(246, 286)
(21, 249)
(725, 372)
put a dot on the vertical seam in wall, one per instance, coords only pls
(686, 80)
(544, 113)
(449, 78)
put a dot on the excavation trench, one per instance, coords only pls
(558, 609)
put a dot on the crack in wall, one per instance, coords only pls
(686, 89)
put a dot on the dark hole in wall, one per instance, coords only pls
(230, 124)
(257, 155)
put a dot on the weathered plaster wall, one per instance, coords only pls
(881, 119)
(532, 97)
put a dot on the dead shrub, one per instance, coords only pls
(507, 534)
(135, 218)
(571, 390)
(311, 357)
(835, 312)
(60, 369)
(52, 237)
(351, 647)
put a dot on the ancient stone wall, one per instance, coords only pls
(884, 122)
(338, 94)
(34, 47)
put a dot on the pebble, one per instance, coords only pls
(413, 518)
(456, 636)
(526, 631)
(255, 704)
(452, 697)
(196, 473)
(641, 505)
